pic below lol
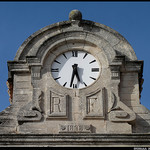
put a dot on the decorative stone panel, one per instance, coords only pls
(74, 128)
(57, 105)
(95, 105)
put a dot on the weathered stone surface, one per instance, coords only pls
(77, 140)
(118, 127)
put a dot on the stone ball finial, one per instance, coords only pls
(75, 15)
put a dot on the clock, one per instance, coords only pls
(75, 69)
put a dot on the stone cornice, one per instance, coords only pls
(99, 140)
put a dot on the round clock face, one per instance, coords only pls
(75, 69)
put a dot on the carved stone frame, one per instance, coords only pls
(62, 105)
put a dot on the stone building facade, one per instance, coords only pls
(45, 113)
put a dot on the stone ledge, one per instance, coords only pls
(40, 140)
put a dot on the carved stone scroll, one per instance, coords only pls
(120, 112)
(37, 97)
(27, 114)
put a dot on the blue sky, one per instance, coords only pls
(18, 20)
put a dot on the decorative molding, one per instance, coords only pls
(35, 73)
(32, 111)
(114, 102)
(115, 72)
(27, 114)
(120, 112)
(36, 99)
(72, 140)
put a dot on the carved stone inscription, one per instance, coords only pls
(57, 105)
(92, 104)
(74, 128)
(95, 105)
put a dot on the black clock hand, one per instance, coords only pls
(73, 73)
(76, 73)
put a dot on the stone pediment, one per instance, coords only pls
(107, 103)
(45, 39)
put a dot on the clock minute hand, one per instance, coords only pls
(73, 73)
(76, 73)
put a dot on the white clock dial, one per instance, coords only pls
(75, 69)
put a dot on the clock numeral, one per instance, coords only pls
(74, 85)
(74, 53)
(65, 56)
(55, 70)
(93, 78)
(57, 61)
(84, 83)
(57, 78)
(65, 84)
(92, 61)
(95, 69)
(85, 55)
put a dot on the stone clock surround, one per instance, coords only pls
(109, 106)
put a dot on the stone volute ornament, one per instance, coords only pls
(76, 80)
